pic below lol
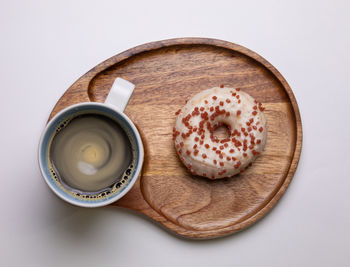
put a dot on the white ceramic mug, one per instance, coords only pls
(113, 108)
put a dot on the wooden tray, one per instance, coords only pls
(166, 73)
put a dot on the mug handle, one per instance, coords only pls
(120, 93)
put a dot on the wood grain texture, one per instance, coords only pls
(166, 73)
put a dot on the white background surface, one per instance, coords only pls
(46, 45)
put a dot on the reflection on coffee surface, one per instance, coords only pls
(91, 153)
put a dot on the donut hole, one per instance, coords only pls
(221, 131)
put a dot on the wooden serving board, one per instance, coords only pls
(166, 73)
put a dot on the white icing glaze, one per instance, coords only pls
(237, 111)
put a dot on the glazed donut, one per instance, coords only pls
(206, 155)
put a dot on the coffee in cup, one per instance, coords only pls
(91, 153)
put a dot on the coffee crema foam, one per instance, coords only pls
(91, 156)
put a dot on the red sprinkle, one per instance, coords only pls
(228, 100)
(221, 164)
(178, 112)
(218, 152)
(252, 137)
(225, 145)
(196, 139)
(239, 101)
(214, 148)
(204, 115)
(207, 146)
(255, 107)
(204, 156)
(221, 86)
(188, 152)
(221, 103)
(211, 109)
(255, 152)
(195, 146)
(228, 158)
(245, 155)
(214, 161)
(258, 141)
(254, 113)
(237, 143)
(239, 112)
(204, 174)
(201, 142)
(206, 101)
(221, 147)
(232, 150)
(227, 114)
(201, 109)
(254, 127)
(261, 129)
(214, 97)
(181, 143)
(237, 165)
(195, 152)
(238, 89)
